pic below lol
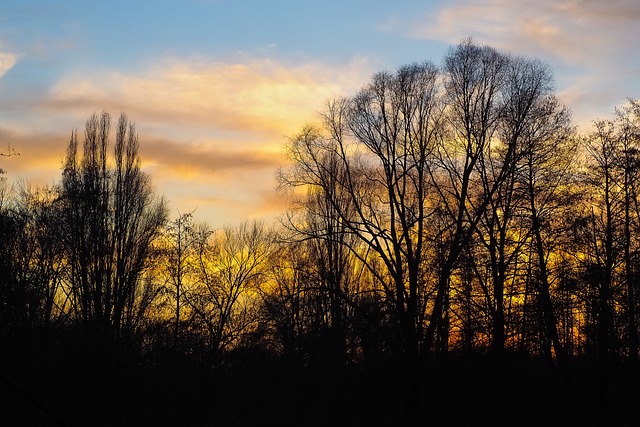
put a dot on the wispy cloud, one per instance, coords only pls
(205, 161)
(223, 185)
(248, 95)
(228, 185)
(574, 30)
(7, 61)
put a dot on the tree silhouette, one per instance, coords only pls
(110, 219)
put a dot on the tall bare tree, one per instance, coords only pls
(627, 121)
(473, 102)
(111, 217)
(178, 251)
(382, 141)
(548, 178)
(318, 219)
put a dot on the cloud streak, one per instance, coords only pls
(228, 185)
(200, 161)
(590, 40)
(571, 31)
(252, 95)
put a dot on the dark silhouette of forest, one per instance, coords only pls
(455, 253)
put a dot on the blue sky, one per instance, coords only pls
(215, 87)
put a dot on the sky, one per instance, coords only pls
(216, 87)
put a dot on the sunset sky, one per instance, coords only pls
(215, 87)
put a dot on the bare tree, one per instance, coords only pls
(539, 128)
(606, 219)
(285, 300)
(178, 252)
(38, 256)
(548, 176)
(610, 270)
(474, 77)
(111, 217)
(318, 219)
(416, 149)
(230, 271)
(628, 134)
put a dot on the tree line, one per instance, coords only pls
(441, 211)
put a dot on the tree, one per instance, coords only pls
(382, 139)
(527, 104)
(609, 235)
(605, 227)
(628, 136)
(178, 252)
(545, 173)
(474, 78)
(9, 229)
(317, 222)
(424, 157)
(229, 273)
(285, 300)
(111, 217)
(38, 256)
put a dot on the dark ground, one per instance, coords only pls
(58, 387)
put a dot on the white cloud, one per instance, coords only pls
(7, 61)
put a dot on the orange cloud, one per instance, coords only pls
(224, 186)
(38, 158)
(204, 158)
(247, 96)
